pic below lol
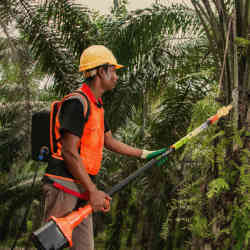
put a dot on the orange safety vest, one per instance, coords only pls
(92, 140)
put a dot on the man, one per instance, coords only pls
(81, 132)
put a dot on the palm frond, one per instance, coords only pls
(138, 32)
(55, 31)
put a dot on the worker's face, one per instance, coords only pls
(109, 78)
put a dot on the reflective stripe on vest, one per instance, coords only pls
(92, 140)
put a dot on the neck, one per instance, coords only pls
(96, 90)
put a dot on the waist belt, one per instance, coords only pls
(72, 188)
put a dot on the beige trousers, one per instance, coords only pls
(58, 203)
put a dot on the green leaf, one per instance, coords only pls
(216, 187)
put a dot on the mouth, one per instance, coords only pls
(114, 84)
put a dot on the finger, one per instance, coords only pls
(105, 210)
(107, 197)
(107, 204)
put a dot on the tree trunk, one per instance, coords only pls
(234, 65)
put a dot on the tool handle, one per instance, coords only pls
(75, 218)
(139, 171)
(69, 222)
(155, 153)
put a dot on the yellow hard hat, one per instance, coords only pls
(97, 55)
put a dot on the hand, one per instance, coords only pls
(107, 206)
(145, 154)
(151, 154)
(99, 200)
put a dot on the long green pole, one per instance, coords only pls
(159, 156)
(68, 223)
(211, 120)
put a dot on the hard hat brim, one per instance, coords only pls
(119, 66)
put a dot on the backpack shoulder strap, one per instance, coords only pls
(53, 112)
(86, 115)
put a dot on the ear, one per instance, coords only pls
(101, 72)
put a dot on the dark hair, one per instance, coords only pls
(91, 78)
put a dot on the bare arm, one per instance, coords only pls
(75, 166)
(116, 146)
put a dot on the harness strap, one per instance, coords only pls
(69, 187)
(83, 196)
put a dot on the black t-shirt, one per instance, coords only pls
(71, 117)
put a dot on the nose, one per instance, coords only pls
(116, 76)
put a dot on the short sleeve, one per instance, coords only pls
(106, 125)
(71, 117)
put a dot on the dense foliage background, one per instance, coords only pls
(183, 63)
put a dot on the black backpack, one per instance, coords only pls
(43, 140)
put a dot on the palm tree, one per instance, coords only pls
(17, 72)
(155, 88)
(209, 196)
(151, 107)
